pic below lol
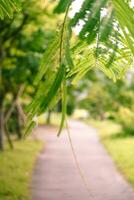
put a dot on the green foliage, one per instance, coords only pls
(23, 41)
(125, 117)
(112, 30)
(97, 102)
(55, 63)
(108, 47)
(103, 98)
(50, 76)
(7, 7)
(61, 7)
(119, 16)
(85, 59)
(102, 46)
(125, 16)
(105, 44)
(90, 13)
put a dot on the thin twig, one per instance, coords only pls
(77, 163)
(14, 103)
(20, 110)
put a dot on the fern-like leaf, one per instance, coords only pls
(7, 7)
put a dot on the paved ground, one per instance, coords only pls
(56, 177)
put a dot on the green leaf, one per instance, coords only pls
(7, 7)
(125, 16)
(61, 7)
(64, 105)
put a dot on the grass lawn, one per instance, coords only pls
(119, 146)
(16, 169)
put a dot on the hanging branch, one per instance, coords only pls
(62, 32)
(14, 103)
(64, 77)
(8, 115)
(80, 171)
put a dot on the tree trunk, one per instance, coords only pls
(1, 101)
(48, 120)
(1, 128)
(102, 116)
(18, 125)
(8, 115)
(8, 137)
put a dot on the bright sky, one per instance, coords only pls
(132, 3)
(76, 5)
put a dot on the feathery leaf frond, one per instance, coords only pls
(105, 44)
(51, 74)
(7, 7)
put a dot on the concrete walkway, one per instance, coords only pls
(56, 177)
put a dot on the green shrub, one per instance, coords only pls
(125, 117)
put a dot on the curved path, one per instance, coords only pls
(56, 177)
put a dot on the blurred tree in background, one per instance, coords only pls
(105, 100)
(23, 40)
